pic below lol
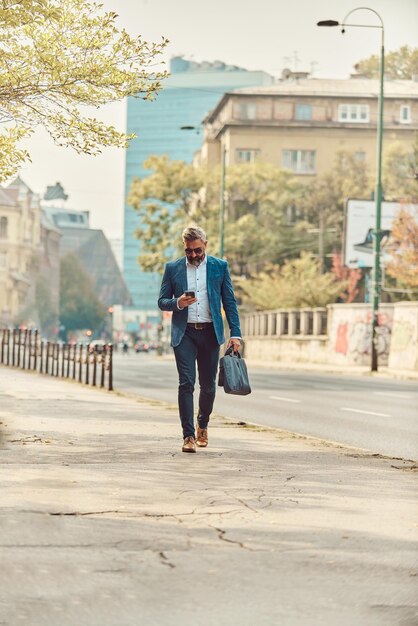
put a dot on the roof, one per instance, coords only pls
(55, 192)
(327, 88)
(20, 184)
(179, 64)
(48, 223)
(351, 87)
(66, 218)
(6, 198)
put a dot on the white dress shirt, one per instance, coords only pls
(196, 281)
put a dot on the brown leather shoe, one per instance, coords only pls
(202, 437)
(189, 444)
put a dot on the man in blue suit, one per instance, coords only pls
(193, 288)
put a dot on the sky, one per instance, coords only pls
(264, 35)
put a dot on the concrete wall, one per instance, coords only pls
(287, 349)
(404, 345)
(339, 334)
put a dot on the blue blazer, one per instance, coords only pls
(219, 287)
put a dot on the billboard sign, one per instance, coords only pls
(359, 225)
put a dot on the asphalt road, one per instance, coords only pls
(378, 414)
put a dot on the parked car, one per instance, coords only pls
(141, 346)
(99, 343)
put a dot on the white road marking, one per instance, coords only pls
(392, 394)
(283, 399)
(365, 412)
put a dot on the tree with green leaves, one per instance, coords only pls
(322, 202)
(165, 202)
(349, 178)
(58, 56)
(400, 172)
(399, 64)
(269, 216)
(296, 284)
(47, 312)
(80, 308)
(257, 226)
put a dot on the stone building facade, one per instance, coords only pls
(300, 125)
(20, 251)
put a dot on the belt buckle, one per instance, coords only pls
(198, 326)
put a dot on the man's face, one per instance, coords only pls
(195, 251)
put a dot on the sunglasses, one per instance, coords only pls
(195, 250)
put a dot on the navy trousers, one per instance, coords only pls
(201, 347)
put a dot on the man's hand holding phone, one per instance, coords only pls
(188, 298)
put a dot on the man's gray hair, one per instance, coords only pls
(191, 233)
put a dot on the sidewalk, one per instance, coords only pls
(104, 522)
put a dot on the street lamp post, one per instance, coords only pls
(377, 234)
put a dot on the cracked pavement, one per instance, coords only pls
(105, 522)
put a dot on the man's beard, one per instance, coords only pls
(196, 260)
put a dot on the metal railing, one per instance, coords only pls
(25, 349)
(286, 323)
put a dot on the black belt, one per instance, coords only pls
(200, 325)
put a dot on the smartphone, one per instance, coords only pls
(190, 294)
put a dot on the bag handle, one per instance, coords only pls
(230, 352)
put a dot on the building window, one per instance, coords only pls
(247, 111)
(357, 113)
(405, 114)
(360, 156)
(300, 161)
(3, 259)
(3, 227)
(303, 112)
(246, 156)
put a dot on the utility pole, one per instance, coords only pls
(321, 230)
(222, 203)
(321, 252)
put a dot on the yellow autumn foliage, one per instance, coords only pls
(58, 57)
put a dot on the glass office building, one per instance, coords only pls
(191, 90)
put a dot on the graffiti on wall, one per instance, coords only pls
(402, 336)
(353, 338)
(404, 346)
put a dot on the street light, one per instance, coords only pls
(222, 194)
(377, 234)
